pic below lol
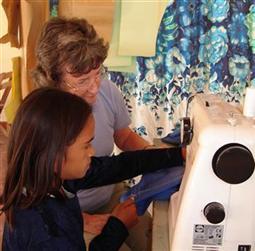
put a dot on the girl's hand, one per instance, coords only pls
(94, 223)
(126, 212)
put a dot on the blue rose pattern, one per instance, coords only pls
(202, 45)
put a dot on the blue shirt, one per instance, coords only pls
(110, 114)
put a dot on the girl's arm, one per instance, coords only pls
(112, 237)
(114, 232)
(109, 170)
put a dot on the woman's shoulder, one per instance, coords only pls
(110, 94)
(108, 88)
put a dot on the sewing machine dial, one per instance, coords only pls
(186, 131)
(233, 163)
(214, 212)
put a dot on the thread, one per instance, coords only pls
(249, 102)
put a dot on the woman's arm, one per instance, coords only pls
(127, 140)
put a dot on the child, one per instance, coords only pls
(49, 160)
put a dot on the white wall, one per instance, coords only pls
(6, 52)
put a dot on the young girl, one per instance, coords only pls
(49, 160)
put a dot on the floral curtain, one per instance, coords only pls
(202, 46)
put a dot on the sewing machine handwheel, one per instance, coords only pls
(233, 163)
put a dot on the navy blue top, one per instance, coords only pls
(57, 224)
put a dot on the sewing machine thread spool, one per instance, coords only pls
(249, 102)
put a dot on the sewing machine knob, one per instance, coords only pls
(186, 131)
(214, 212)
(233, 163)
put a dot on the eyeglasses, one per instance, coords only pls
(87, 83)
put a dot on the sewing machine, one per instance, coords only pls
(214, 209)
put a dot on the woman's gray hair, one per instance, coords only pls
(70, 45)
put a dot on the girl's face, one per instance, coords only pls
(78, 155)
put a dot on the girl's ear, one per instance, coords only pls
(57, 177)
(59, 164)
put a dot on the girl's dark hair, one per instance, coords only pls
(46, 123)
(67, 42)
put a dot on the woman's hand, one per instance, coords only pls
(94, 223)
(126, 212)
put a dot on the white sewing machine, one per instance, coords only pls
(214, 209)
